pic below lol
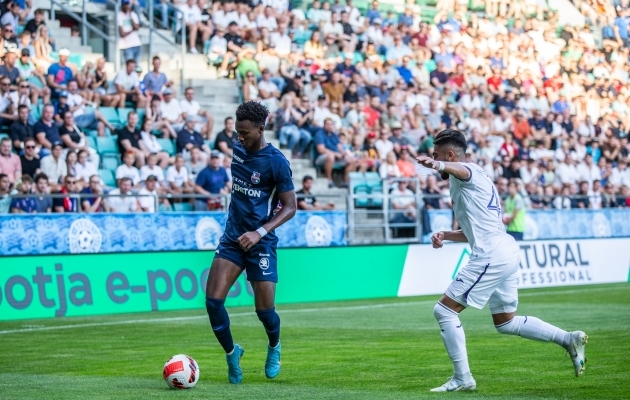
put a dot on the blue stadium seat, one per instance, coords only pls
(141, 113)
(209, 143)
(110, 163)
(182, 207)
(91, 142)
(107, 145)
(111, 115)
(167, 145)
(123, 114)
(107, 177)
(375, 183)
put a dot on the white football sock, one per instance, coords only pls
(535, 329)
(454, 340)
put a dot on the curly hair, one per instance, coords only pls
(451, 137)
(253, 112)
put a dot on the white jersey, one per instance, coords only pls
(477, 207)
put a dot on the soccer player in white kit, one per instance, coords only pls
(491, 274)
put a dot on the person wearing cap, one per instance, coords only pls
(400, 141)
(171, 111)
(59, 74)
(61, 107)
(236, 44)
(127, 83)
(212, 180)
(294, 84)
(148, 196)
(27, 70)
(128, 38)
(188, 137)
(54, 165)
(313, 90)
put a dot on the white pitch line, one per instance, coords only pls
(289, 311)
(175, 319)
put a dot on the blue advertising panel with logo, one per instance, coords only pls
(114, 233)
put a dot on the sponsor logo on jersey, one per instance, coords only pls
(246, 191)
(264, 263)
(255, 177)
(263, 255)
(237, 158)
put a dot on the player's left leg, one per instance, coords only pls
(263, 274)
(503, 303)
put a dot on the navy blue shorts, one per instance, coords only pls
(260, 262)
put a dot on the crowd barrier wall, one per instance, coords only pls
(22, 234)
(81, 285)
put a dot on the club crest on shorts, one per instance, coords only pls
(256, 177)
(264, 263)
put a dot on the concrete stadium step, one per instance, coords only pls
(368, 235)
(362, 217)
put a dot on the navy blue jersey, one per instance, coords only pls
(257, 179)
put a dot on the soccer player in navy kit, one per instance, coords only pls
(261, 178)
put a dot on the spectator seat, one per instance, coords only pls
(167, 146)
(185, 206)
(107, 177)
(107, 145)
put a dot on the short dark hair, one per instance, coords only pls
(41, 176)
(22, 107)
(451, 137)
(307, 178)
(227, 119)
(129, 61)
(124, 179)
(27, 179)
(253, 112)
(155, 58)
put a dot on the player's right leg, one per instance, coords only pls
(503, 303)
(446, 312)
(223, 274)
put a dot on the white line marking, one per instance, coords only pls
(289, 311)
(193, 317)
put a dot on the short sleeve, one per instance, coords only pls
(201, 179)
(119, 173)
(169, 175)
(283, 175)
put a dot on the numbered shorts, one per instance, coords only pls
(260, 262)
(491, 281)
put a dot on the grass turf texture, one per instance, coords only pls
(379, 349)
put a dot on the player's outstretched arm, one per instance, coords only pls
(289, 205)
(458, 170)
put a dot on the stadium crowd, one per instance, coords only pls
(543, 105)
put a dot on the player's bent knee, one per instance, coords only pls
(269, 318)
(214, 305)
(508, 328)
(443, 313)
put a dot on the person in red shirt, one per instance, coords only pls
(372, 113)
(456, 79)
(495, 81)
(508, 148)
(521, 127)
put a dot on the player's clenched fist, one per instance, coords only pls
(436, 239)
(248, 240)
(428, 162)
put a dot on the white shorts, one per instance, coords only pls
(487, 281)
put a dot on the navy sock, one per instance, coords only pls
(271, 322)
(220, 323)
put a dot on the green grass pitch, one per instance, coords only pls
(377, 349)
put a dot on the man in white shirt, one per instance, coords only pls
(502, 123)
(93, 120)
(148, 196)
(192, 19)
(529, 172)
(190, 107)
(267, 20)
(279, 6)
(152, 169)
(588, 171)
(566, 173)
(281, 41)
(127, 82)
(54, 166)
(383, 145)
(375, 33)
(121, 200)
(127, 169)
(177, 177)
(226, 15)
(332, 27)
(128, 25)
(171, 110)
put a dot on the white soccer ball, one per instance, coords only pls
(181, 372)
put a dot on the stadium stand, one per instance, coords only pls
(542, 100)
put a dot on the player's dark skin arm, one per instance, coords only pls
(289, 205)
